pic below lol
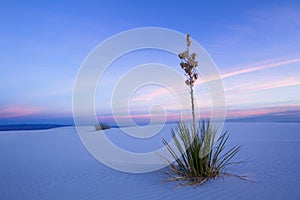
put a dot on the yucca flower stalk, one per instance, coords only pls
(188, 64)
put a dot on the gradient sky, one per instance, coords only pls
(255, 45)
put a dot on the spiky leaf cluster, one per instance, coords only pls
(199, 157)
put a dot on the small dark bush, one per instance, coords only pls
(101, 126)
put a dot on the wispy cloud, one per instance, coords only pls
(286, 16)
(18, 111)
(261, 111)
(150, 96)
(231, 113)
(258, 67)
(253, 67)
(262, 85)
(159, 93)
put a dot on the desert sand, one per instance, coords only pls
(53, 164)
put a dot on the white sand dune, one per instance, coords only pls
(53, 164)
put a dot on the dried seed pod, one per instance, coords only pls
(196, 63)
(194, 56)
(182, 65)
(196, 76)
(188, 40)
(185, 55)
(180, 55)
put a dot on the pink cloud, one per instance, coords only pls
(263, 86)
(150, 96)
(17, 111)
(278, 84)
(231, 113)
(261, 67)
(262, 111)
(251, 68)
(243, 113)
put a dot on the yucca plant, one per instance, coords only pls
(198, 154)
(199, 157)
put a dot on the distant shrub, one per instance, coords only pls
(101, 126)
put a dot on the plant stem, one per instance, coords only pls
(193, 107)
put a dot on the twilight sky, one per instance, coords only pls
(255, 45)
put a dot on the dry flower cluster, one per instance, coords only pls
(189, 64)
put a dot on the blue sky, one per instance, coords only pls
(255, 45)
